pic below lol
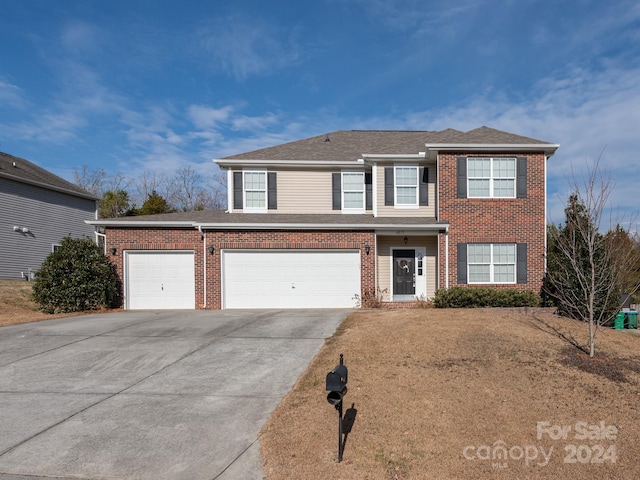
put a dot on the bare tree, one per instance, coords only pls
(93, 181)
(146, 185)
(587, 269)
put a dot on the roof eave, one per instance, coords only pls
(227, 163)
(140, 223)
(548, 148)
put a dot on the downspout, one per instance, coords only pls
(446, 257)
(204, 264)
(104, 236)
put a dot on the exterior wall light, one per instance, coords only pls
(211, 249)
(113, 250)
(367, 249)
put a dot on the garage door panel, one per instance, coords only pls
(160, 280)
(291, 279)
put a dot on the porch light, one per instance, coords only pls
(367, 249)
(211, 249)
(113, 250)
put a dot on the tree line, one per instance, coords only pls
(150, 193)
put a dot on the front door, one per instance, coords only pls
(404, 280)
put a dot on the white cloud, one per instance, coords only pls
(244, 48)
(204, 117)
(11, 95)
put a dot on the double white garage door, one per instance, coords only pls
(250, 279)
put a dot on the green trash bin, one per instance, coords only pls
(618, 323)
(631, 320)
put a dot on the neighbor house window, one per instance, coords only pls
(353, 195)
(255, 190)
(406, 186)
(491, 177)
(491, 263)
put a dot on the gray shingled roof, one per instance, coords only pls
(21, 170)
(222, 218)
(352, 144)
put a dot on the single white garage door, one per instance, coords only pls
(290, 278)
(159, 280)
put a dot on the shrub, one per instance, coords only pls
(76, 277)
(469, 297)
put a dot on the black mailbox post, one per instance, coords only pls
(337, 387)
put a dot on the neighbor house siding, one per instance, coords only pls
(393, 211)
(49, 215)
(494, 220)
(189, 239)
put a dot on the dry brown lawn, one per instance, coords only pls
(464, 394)
(16, 305)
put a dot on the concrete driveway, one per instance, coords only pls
(149, 395)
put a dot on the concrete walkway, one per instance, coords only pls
(149, 395)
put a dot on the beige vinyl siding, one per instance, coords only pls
(392, 211)
(306, 191)
(386, 243)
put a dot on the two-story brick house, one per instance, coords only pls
(334, 220)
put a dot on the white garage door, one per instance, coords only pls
(290, 278)
(159, 280)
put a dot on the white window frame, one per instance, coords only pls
(492, 177)
(396, 186)
(245, 190)
(361, 208)
(493, 263)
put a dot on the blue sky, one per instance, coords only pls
(152, 85)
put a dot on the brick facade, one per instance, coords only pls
(190, 239)
(504, 220)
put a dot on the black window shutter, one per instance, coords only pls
(462, 263)
(368, 191)
(521, 263)
(237, 190)
(462, 177)
(424, 186)
(388, 186)
(272, 191)
(521, 177)
(336, 184)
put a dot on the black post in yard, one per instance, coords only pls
(337, 387)
(340, 445)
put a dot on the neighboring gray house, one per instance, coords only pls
(37, 210)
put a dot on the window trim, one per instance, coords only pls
(245, 190)
(343, 190)
(492, 178)
(396, 204)
(492, 265)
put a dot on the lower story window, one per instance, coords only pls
(491, 262)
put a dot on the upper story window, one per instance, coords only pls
(353, 192)
(491, 177)
(255, 190)
(491, 263)
(406, 186)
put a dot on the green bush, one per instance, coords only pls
(470, 297)
(76, 277)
